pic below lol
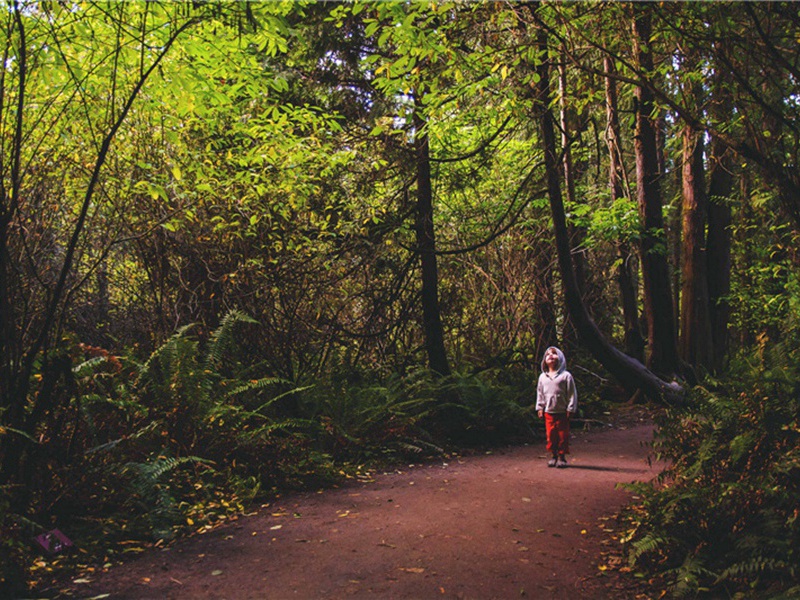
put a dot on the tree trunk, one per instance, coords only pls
(718, 244)
(695, 340)
(577, 234)
(661, 329)
(625, 275)
(628, 371)
(426, 246)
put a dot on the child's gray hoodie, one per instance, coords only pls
(556, 393)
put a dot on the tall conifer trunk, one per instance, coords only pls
(659, 311)
(695, 339)
(718, 244)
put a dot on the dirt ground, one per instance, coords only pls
(498, 525)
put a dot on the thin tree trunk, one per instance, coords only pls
(426, 246)
(625, 275)
(16, 390)
(577, 234)
(659, 312)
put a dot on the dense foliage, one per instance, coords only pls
(247, 246)
(723, 517)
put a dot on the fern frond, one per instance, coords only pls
(279, 397)
(647, 545)
(88, 366)
(152, 471)
(254, 385)
(223, 337)
(164, 355)
(114, 443)
(752, 567)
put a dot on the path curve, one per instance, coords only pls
(500, 525)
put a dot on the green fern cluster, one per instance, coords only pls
(415, 414)
(724, 516)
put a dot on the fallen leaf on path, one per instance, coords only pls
(216, 572)
(412, 569)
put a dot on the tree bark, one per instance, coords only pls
(659, 312)
(718, 244)
(426, 246)
(695, 339)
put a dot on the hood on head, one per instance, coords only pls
(562, 361)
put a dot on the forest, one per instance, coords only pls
(248, 247)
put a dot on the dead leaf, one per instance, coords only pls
(412, 569)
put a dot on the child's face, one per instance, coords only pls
(551, 359)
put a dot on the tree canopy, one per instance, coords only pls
(238, 230)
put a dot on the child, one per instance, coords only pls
(557, 402)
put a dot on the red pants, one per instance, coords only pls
(557, 430)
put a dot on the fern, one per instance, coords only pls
(114, 443)
(153, 499)
(724, 515)
(88, 367)
(164, 356)
(649, 544)
(150, 472)
(223, 338)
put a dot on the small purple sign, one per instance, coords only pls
(53, 542)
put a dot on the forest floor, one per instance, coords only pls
(492, 525)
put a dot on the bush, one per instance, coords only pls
(723, 518)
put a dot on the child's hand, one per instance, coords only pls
(541, 414)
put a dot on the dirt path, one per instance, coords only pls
(502, 525)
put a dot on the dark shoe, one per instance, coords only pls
(551, 462)
(561, 463)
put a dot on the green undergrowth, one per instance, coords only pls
(145, 452)
(723, 520)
